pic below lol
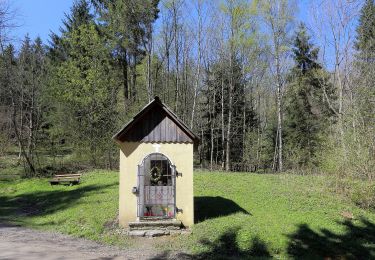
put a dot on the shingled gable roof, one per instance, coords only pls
(156, 103)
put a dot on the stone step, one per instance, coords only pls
(161, 225)
(149, 233)
(157, 233)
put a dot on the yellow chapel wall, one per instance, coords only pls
(132, 154)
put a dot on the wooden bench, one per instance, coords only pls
(67, 179)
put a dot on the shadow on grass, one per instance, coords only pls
(213, 207)
(357, 242)
(225, 247)
(41, 203)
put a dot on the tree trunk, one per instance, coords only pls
(175, 28)
(110, 164)
(21, 124)
(229, 124)
(149, 64)
(199, 63)
(134, 78)
(125, 81)
(168, 68)
(340, 110)
(230, 94)
(148, 75)
(227, 148)
(259, 137)
(185, 77)
(212, 130)
(222, 125)
(279, 130)
(279, 110)
(23, 151)
(30, 142)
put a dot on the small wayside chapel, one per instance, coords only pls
(156, 170)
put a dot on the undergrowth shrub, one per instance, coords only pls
(353, 167)
(364, 195)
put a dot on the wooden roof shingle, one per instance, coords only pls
(156, 123)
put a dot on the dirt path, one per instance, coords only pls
(24, 243)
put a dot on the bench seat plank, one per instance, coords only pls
(65, 179)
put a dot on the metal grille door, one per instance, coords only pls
(157, 187)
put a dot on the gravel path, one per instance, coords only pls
(23, 243)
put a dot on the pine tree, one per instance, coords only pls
(128, 24)
(86, 90)
(8, 96)
(365, 42)
(307, 110)
(79, 15)
(364, 92)
(243, 116)
(32, 75)
(365, 62)
(27, 96)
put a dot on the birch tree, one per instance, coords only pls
(199, 59)
(333, 23)
(278, 17)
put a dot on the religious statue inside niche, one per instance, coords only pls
(164, 210)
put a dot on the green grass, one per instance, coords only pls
(237, 214)
(84, 210)
(275, 215)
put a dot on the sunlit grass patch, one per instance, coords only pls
(237, 214)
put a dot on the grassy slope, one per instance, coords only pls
(280, 209)
(81, 210)
(237, 214)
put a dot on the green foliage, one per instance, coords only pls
(85, 88)
(96, 75)
(8, 74)
(278, 15)
(79, 15)
(259, 147)
(365, 43)
(67, 98)
(308, 114)
(4, 143)
(129, 27)
(364, 195)
(365, 46)
(354, 154)
(243, 116)
(355, 159)
(240, 14)
(22, 82)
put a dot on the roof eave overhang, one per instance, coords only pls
(156, 101)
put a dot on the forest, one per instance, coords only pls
(264, 90)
